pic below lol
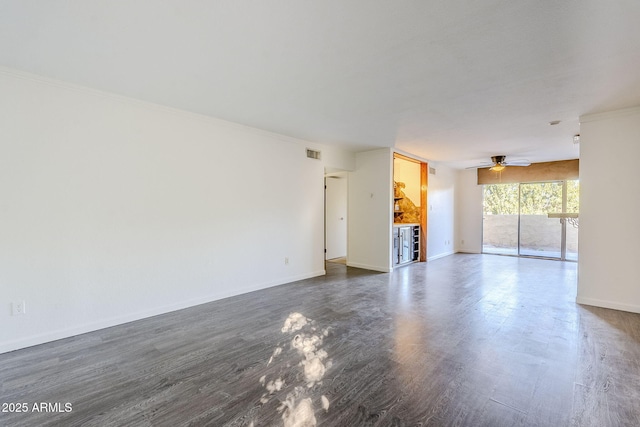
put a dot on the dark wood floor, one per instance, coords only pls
(466, 340)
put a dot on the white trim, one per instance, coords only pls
(609, 114)
(120, 320)
(369, 267)
(410, 155)
(608, 304)
(442, 255)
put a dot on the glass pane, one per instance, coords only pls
(573, 206)
(540, 235)
(500, 224)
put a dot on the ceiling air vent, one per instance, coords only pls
(432, 171)
(313, 154)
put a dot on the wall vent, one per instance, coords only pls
(432, 171)
(313, 154)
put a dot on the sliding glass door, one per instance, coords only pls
(540, 235)
(500, 224)
(571, 223)
(531, 219)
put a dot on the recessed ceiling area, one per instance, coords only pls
(452, 82)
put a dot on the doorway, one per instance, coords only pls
(536, 219)
(336, 217)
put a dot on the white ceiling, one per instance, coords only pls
(451, 81)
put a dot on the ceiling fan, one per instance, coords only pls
(498, 163)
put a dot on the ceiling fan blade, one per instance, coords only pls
(484, 165)
(500, 160)
(518, 163)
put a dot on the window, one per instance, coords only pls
(517, 220)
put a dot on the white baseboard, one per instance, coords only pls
(432, 258)
(608, 304)
(120, 320)
(369, 267)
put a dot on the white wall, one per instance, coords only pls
(441, 212)
(370, 211)
(370, 214)
(468, 212)
(609, 207)
(336, 215)
(112, 209)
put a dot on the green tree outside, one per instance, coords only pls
(530, 199)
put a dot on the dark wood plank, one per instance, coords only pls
(467, 340)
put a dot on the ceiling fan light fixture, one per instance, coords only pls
(497, 168)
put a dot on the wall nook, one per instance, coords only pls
(409, 206)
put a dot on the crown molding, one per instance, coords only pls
(609, 114)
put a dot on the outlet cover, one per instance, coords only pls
(18, 308)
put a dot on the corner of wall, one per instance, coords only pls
(468, 207)
(607, 275)
(370, 189)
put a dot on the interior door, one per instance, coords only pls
(335, 216)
